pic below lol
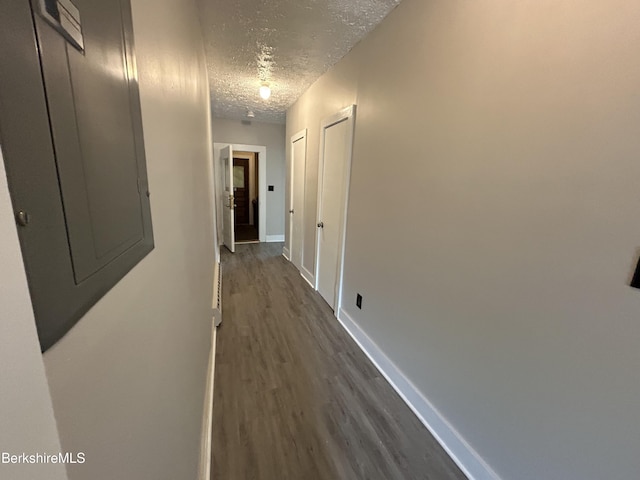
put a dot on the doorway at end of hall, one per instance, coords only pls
(245, 192)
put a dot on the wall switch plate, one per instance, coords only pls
(359, 301)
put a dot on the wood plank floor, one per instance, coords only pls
(295, 398)
(246, 233)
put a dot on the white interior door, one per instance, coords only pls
(228, 213)
(335, 164)
(298, 169)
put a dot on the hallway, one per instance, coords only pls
(294, 396)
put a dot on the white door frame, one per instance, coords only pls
(347, 114)
(261, 150)
(301, 135)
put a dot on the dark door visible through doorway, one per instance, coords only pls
(245, 191)
(241, 190)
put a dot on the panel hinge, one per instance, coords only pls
(142, 189)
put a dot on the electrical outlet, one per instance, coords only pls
(359, 301)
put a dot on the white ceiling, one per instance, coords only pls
(286, 43)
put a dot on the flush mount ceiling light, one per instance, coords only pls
(245, 50)
(250, 114)
(265, 91)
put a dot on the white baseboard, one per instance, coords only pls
(308, 276)
(286, 254)
(275, 238)
(207, 417)
(458, 449)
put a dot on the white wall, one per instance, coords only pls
(272, 136)
(493, 221)
(128, 381)
(27, 423)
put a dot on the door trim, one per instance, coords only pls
(301, 135)
(347, 114)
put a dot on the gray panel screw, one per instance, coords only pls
(22, 218)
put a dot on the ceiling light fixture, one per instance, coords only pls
(265, 91)
(250, 114)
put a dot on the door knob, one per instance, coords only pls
(321, 225)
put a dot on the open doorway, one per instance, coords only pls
(224, 153)
(246, 188)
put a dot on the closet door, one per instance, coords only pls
(334, 173)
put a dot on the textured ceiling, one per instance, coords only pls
(286, 43)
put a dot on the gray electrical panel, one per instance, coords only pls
(71, 132)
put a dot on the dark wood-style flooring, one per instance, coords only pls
(294, 397)
(246, 233)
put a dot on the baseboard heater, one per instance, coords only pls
(217, 294)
